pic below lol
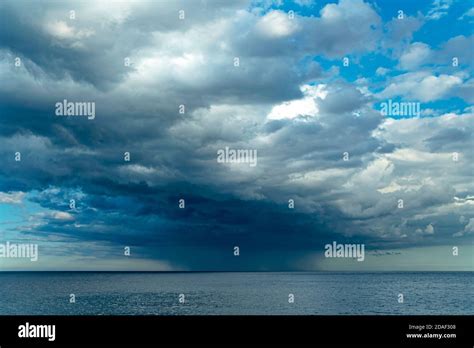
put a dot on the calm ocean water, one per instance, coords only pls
(236, 293)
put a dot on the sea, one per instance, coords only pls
(236, 293)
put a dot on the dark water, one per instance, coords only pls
(237, 293)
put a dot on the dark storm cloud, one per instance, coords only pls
(173, 155)
(90, 48)
(99, 62)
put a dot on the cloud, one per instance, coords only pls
(422, 86)
(61, 215)
(306, 106)
(429, 229)
(342, 28)
(12, 197)
(468, 13)
(415, 56)
(342, 98)
(381, 71)
(61, 30)
(399, 33)
(320, 139)
(456, 47)
(276, 24)
(439, 9)
(468, 229)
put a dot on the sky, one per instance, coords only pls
(302, 84)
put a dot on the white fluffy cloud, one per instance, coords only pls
(306, 106)
(416, 55)
(421, 86)
(277, 24)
